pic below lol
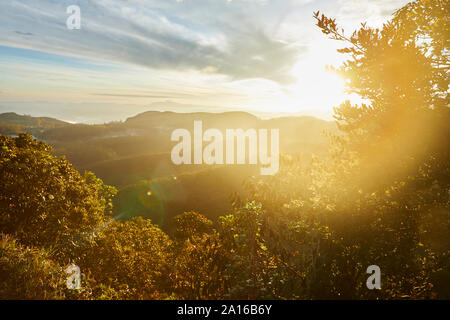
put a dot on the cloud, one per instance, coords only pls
(24, 33)
(153, 96)
(229, 38)
(366, 10)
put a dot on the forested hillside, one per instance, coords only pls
(137, 152)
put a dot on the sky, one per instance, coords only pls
(266, 57)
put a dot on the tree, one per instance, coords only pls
(199, 259)
(44, 201)
(129, 257)
(402, 71)
(191, 224)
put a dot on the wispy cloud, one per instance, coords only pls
(24, 33)
(212, 36)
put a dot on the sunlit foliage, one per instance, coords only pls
(28, 273)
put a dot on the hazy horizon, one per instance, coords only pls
(260, 115)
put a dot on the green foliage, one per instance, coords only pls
(28, 273)
(191, 224)
(44, 201)
(130, 258)
(199, 259)
(250, 270)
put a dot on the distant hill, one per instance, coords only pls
(12, 123)
(171, 120)
(180, 120)
(29, 121)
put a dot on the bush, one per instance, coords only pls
(28, 273)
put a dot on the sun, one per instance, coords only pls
(316, 87)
